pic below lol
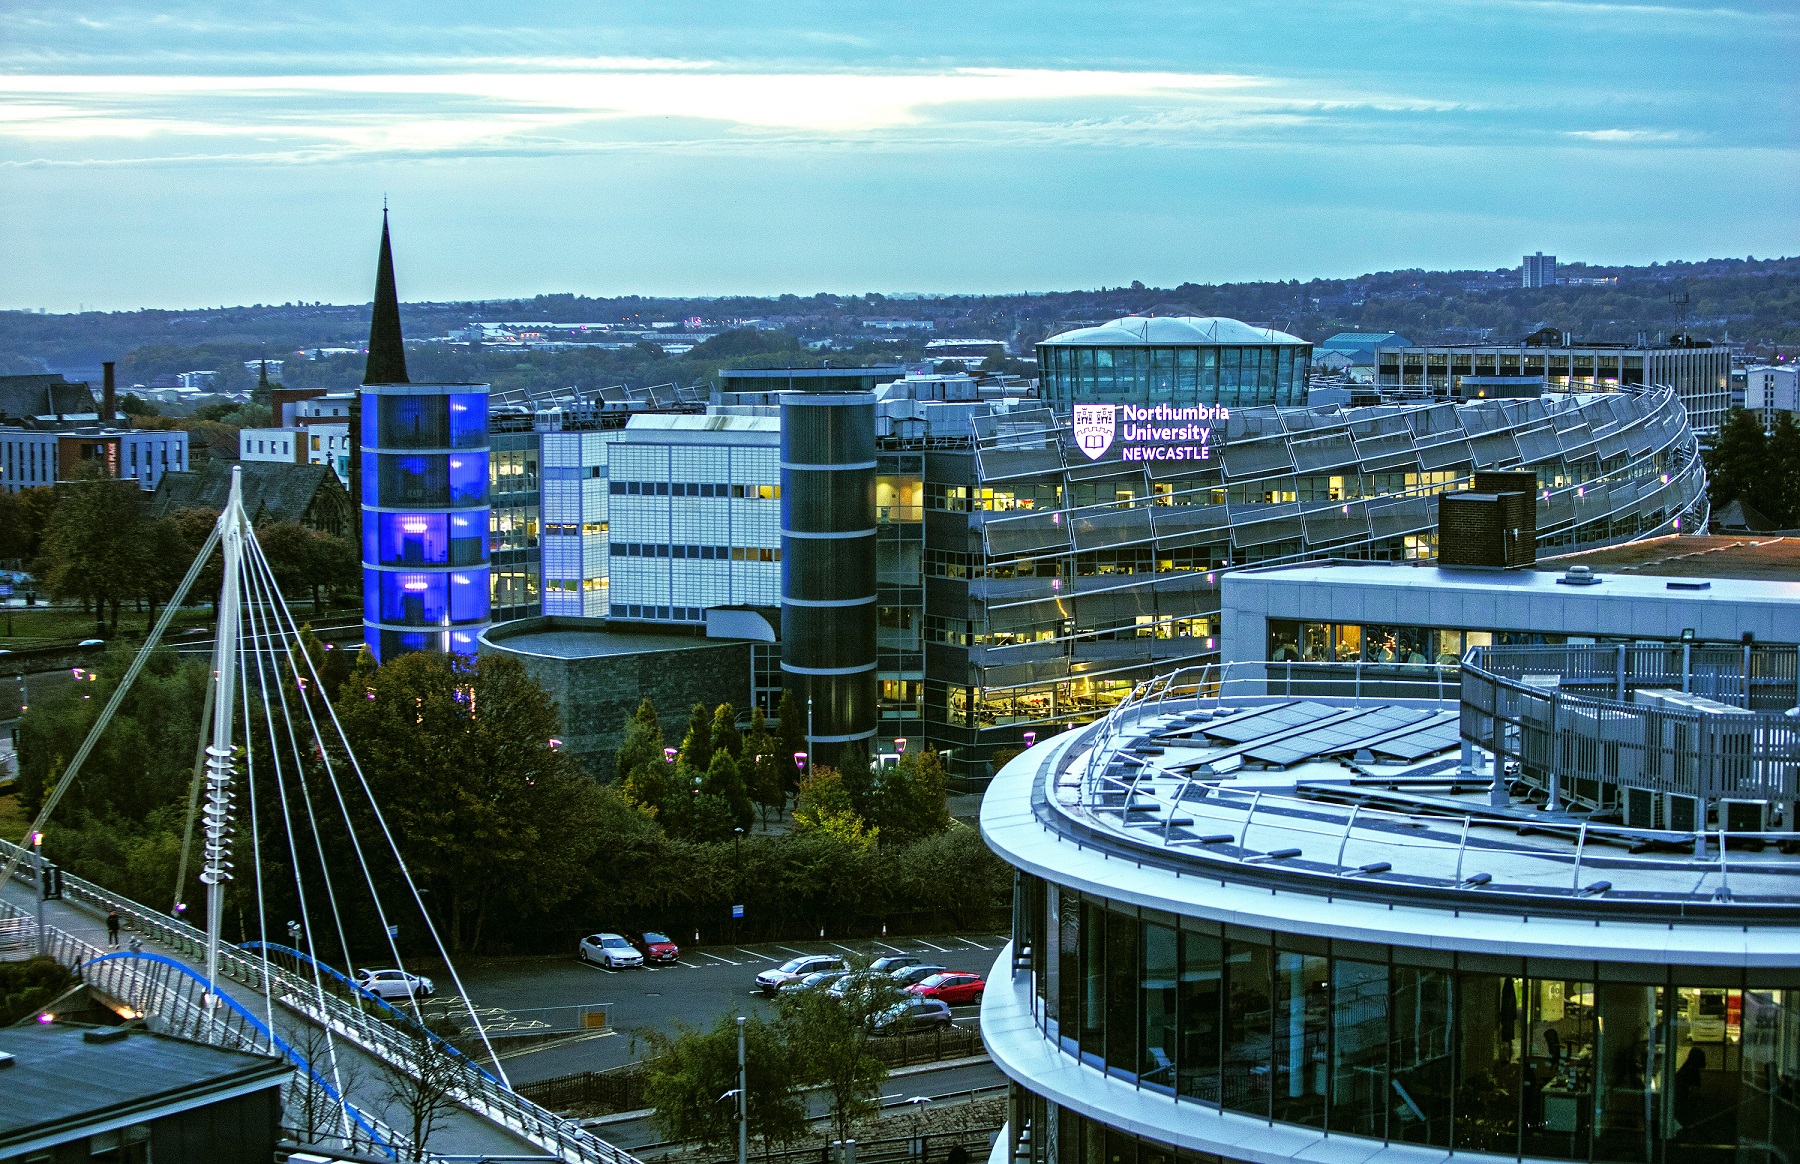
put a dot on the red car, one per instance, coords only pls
(955, 988)
(655, 947)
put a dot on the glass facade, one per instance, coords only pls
(1237, 377)
(425, 481)
(1519, 1057)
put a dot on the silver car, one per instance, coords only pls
(794, 969)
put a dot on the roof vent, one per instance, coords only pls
(104, 1035)
(1688, 585)
(7, 1059)
(1579, 576)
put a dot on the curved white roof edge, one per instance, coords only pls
(1158, 330)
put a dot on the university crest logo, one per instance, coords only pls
(1094, 429)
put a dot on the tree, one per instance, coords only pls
(1782, 494)
(762, 766)
(724, 779)
(697, 744)
(23, 518)
(687, 1077)
(132, 405)
(94, 548)
(824, 806)
(1736, 465)
(834, 1035)
(859, 781)
(910, 799)
(790, 716)
(490, 818)
(724, 731)
(424, 1087)
(642, 741)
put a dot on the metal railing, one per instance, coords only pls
(1304, 837)
(1580, 714)
(363, 1025)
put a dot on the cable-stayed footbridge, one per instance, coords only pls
(372, 1076)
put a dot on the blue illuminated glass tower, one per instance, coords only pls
(424, 496)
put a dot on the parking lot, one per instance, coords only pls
(535, 995)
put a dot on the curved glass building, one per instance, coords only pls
(1075, 550)
(1262, 929)
(1178, 360)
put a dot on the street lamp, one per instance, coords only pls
(669, 755)
(800, 762)
(1030, 738)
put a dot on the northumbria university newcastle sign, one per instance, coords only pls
(1160, 432)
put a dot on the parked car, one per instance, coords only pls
(394, 984)
(769, 981)
(856, 980)
(894, 962)
(910, 975)
(957, 987)
(814, 981)
(609, 950)
(915, 1014)
(656, 947)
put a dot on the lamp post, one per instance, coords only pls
(37, 867)
(743, 1097)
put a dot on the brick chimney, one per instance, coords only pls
(109, 394)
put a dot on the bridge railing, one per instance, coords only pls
(393, 1044)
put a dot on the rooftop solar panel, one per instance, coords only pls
(1241, 729)
(1335, 737)
(1421, 743)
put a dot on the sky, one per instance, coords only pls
(185, 155)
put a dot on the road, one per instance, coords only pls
(709, 981)
(639, 1131)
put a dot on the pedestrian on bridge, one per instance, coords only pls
(112, 926)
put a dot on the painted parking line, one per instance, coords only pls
(716, 958)
(796, 953)
(938, 948)
(895, 949)
(847, 949)
(977, 945)
(753, 954)
(601, 969)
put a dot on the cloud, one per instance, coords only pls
(1629, 135)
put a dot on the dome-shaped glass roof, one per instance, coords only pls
(1172, 331)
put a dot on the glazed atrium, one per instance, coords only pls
(1257, 928)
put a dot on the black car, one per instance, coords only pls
(894, 962)
(907, 975)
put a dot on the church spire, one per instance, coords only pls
(387, 350)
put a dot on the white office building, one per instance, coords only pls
(1379, 613)
(314, 444)
(574, 514)
(694, 514)
(1769, 389)
(30, 458)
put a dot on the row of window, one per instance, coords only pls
(572, 529)
(1186, 375)
(1571, 1060)
(1060, 1135)
(958, 632)
(692, 489)
(1143, 559)
(1276, 490)
(701, 553)
(662, 613)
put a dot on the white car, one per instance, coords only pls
(609, 950)
(394, 984)
(794, 969)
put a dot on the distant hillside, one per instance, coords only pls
(1754, 300)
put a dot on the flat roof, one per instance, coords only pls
(1341, 819)
(1677, 556)
(1545, 580)
(566, 641)
(60, 1081)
